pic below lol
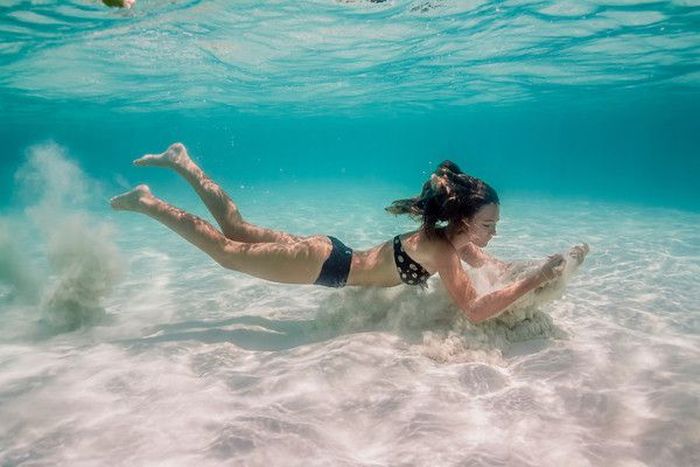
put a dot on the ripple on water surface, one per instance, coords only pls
(328, 56)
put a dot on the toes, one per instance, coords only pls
(117, 202)
(144, 160)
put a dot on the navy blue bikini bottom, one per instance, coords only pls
(336, 268)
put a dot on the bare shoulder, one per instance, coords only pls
(446, 256)
(438, 252)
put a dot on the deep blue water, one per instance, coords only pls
(641, 151)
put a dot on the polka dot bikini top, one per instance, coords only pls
(411, 272)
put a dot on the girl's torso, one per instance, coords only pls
(378, 266)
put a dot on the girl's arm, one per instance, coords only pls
(481, 308)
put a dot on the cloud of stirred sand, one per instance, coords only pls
(83, 262)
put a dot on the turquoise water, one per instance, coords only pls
(122, 344)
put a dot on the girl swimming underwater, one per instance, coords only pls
(468, 206)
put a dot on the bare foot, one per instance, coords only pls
(132, 200)
(174, 157)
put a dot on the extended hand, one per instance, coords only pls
(579, 252)
(552, 269)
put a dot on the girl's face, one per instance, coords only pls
(481, 227)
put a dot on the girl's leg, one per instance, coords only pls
(215, 198)
(296, 263)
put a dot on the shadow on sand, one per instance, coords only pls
(247, 332)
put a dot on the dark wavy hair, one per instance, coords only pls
(449, 196)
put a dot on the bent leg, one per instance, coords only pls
(297, 263)
(215, 198)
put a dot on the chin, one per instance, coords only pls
(478, 243)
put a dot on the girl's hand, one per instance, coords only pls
(552, 269)
(579, 252)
